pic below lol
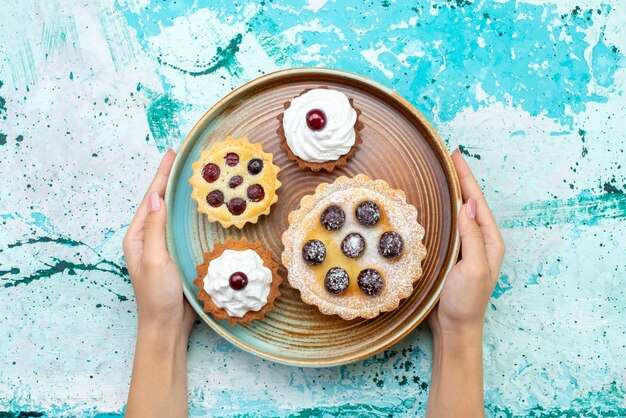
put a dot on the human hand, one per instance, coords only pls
(469, 284)
(158, 290)
(159, 381)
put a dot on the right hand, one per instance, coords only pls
(469, 284)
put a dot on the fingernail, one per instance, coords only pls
(471, 208)
(154, 202)
(456, 151)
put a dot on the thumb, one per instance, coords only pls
(154, 229)
(472, 241)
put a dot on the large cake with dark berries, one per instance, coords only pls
(234, 182)
(354, 248)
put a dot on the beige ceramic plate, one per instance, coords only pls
(399, 146)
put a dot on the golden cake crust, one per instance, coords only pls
(399, 275)
(243, 244)
(267, 178)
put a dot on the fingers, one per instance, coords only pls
(163, 173)
(133, 241)
(484, 218)
(154, 249)
(470, 188)
(158, 185)
(474, 259)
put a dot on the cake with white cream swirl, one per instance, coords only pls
(320, 128)
(238, 282)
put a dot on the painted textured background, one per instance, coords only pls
(531, 91)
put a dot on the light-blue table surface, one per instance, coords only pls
(531, 91)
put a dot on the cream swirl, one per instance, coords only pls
(238, 302)
(329, 143)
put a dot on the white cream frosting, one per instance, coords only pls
(238, 302)
(329, 143)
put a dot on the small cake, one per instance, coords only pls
(234, 182)
(320, 129)
(354, 248)
(238, 281)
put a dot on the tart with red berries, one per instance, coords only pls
(320, 129)
(234, 182)
(354, 248)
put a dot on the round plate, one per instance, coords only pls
(399, 146)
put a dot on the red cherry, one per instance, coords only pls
(316, 119)
(210, 172)
(238, 280)
(232, 159)
(235, 181)
(215, 198)
(255, 192)
(236, 206)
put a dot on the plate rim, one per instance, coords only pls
(434, 140)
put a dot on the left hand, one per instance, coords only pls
(154, 276)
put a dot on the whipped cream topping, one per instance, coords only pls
(329, 143)
(238, 302)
